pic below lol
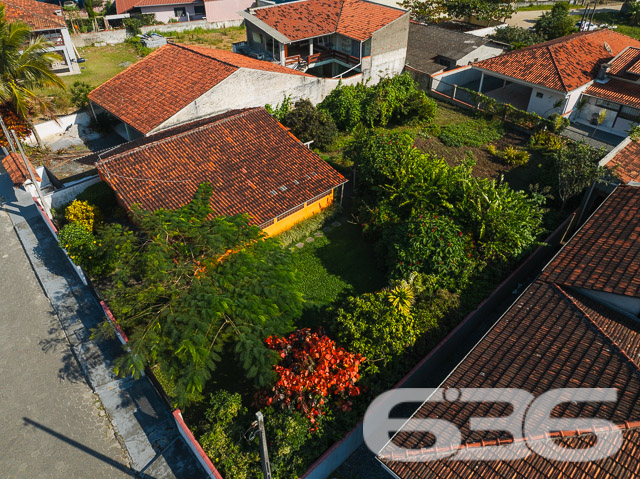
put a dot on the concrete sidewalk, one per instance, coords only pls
(143, 422)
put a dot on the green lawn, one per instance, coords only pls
(337, 264)
(614, 18)
(533, 8)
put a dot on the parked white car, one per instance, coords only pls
(586, 26)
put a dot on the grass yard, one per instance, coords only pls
(614, 18)
(534, 8)
(337, 264)
(220, 38)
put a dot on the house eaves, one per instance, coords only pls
(264, 27)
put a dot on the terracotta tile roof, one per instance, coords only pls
(562, 64)
(157, 87)
(604, 255)
(38, 15)
(253, 164)
(545, 341)
(552, 337)
(626, 61)
(626, 162)
(357, 19)
(618, 91)
(14, 164)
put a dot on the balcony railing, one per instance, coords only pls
(332, 55)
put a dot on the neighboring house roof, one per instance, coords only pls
(252, 162)
(562, 64)
(39, 16)
(123, 6)
(357, 19)
(157, 87)
(14, 164)
(605, 254)
(619, 91)
(624, 161)
(627, 62)
(552, 337)
(427, 42)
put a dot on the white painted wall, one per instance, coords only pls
(70, 191)
(221, 10)
(164, 13)
(252, 88)
(481, 53)
(59, 125)
(460, 76)
(544, 106)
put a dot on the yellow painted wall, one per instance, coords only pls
(306, 212)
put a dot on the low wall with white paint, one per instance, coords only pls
(111, 37)
(67, 194)
(59, 125)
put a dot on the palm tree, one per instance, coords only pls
(25, 66)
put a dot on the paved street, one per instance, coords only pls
(528, 18)
(52, 423)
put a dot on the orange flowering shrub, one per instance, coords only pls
(312, 370)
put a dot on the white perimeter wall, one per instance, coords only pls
(481, 53)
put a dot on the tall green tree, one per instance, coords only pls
(188, 284)
(556, 23)
(25, 66)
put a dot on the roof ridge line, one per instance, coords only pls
(342, 2)
(563, 434)
(178, 135)
(598, 328)
(186, 47)
(553, 60)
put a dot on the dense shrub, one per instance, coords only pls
(80, 94)
(514, 156)
(102, 196)
(517, 37)
(310, 124)
(476, 133)
(83, 213)
(576, 166)
(80, 243)
(393, 100)
(281, 109)
(558, 123)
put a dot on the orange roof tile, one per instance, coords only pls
(625, 164)
(624, 62)
(357, 19)
(253, 164)
(619, 91)
(157, 87)
(14, 164)
(562, 64)
(39, 16)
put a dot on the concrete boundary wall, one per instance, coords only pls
(59, 125)
(340, 451)
(113, 37)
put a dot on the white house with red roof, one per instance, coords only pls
(329, 38)
(186, 10)
(554, 76)
(46, 20)
(180, 83)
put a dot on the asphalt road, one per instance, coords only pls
(53, 425)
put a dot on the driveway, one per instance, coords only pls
(53, 425)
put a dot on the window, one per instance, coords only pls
(179, 12)
(539, 95)
(609, 105)
(198, 10)
(629, 113)
(366, 48)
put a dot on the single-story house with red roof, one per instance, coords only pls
(549, 77)
(329, 38)
(46, 20)
(180, 83)
(253, 163)
(187, 10)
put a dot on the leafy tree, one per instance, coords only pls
(576, 166)
(310, 124)
(517, 37)
(377, 326)
(189, 282)
(25, 66)
(344, 104)
(280, 110)
(427, 11)
(491, 10)
(632, 12)
(133, 26)
(556, 23)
